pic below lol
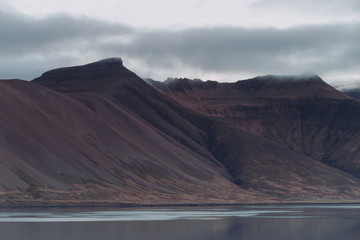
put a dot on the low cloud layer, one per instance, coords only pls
(316, 48)
(31, 46)
(326, 7)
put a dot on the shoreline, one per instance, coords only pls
(197, 205)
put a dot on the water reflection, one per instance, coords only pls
(132, 215)
(270, 223)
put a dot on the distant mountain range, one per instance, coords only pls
(354, 93)
(98, 134)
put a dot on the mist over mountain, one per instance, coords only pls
(99, 134)
(354, 92)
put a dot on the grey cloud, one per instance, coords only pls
(309, 48)
(319, 5)
(31, 46)
(23, 34)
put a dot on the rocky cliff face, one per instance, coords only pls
(302, 113)
(98, 133)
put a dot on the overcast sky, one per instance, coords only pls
(224, 40)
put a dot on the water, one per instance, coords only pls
(321, 222)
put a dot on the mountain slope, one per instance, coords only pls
(55, 150)
(302, 113)
(98, 134)
(201, 134)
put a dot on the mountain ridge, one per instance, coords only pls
(98, 134)
(302, 115)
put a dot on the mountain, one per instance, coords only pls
(302, 113)
(59, 150)
(99, 134)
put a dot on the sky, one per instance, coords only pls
(226, 40)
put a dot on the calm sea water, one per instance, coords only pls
(333, 222)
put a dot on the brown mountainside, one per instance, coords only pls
(97, 133)
(302, 113)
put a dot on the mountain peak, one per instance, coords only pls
(306, 77)
(108, 61)
(97, 76)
